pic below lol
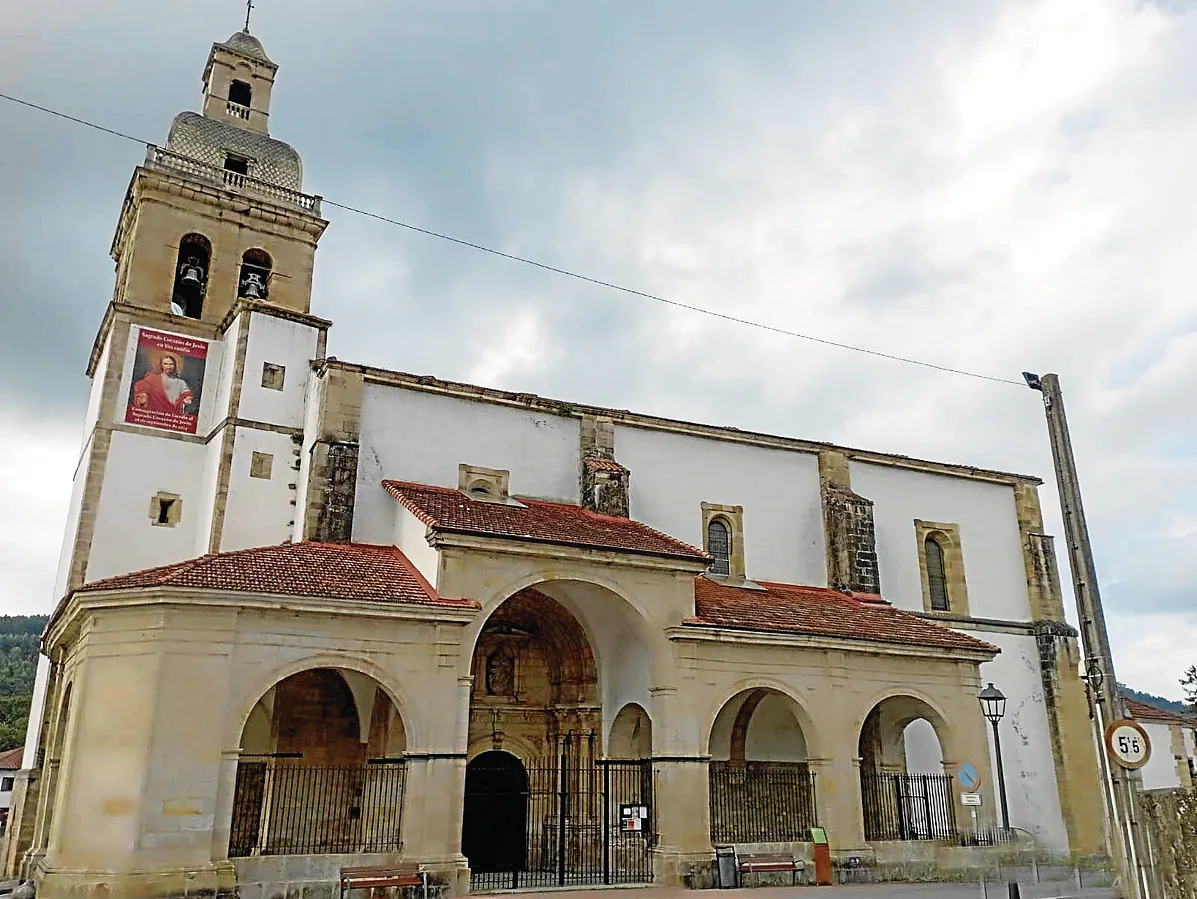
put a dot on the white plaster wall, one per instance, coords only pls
(1031, 787)
(223, 382)
(673, 474)
(6, 795)
(140, 466)
(66, 552)
(259, 511)
(411, 538)
(774, 734)
(97, 389)
(279, 342)
(993, 563)
(924, 755)
(37, 708)
(311, 416)
(421, 437)
(1160, 771)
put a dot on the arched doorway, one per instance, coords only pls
(545, 802)
(321, 768)
(905, 792)
(495, 820)
(762, 789)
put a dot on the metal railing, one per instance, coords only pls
(166, 160)
(908, 806)
(288, 808)
(762, 802)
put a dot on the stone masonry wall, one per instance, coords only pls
(848, 518)
(1172, 825)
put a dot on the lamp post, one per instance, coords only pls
(993, 704)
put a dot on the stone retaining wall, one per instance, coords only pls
(1172, 825)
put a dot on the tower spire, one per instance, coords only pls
(249, 8)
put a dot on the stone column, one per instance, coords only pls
(434, 797)
(681, 782)
(837, 797)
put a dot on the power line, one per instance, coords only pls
(566, 272)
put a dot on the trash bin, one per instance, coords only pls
(725, 864)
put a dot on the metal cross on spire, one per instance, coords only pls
(249, 8)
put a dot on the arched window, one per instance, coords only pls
(191, 276)
(241, 93)
(719, 546)
(254, 283)
(937, 579)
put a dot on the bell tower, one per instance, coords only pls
(200, 367)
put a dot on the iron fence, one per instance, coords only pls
(908, 806)
(288, 808)
(566, 820)
(762, 802)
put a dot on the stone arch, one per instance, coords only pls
(813, 740)
(761, 723)
(631, 735)
(319, 768)
(761, 786)
(414, 730)
(535, 676)
(906, 793)
(902, 707)
(631, 652)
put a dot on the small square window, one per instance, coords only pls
(273, 375)
(6, 784)
(260, 465)
(166, 509)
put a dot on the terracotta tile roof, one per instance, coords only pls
(1145, 712)
(11, 760)
(445, 509)
(820, 611)
(599, 463)
(358, 571)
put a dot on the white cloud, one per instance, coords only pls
(36, 469)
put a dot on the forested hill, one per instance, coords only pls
(19, 639)
(1168, 705)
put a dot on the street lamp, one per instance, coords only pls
(993, 704)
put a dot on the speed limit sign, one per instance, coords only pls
(1127, 743)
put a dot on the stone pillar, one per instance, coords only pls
(682, 793)
(837, 797)
(683, 820)
(434, 794)
(1078, 778)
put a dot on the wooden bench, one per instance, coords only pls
(760, 863)
(402, 875)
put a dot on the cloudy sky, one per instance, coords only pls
(996, 185)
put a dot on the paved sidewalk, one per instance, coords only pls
(1058, 890)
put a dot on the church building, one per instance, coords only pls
(314, 614)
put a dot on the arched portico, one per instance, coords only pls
(905, 792)
(320, 768)
(555, 670)
(761, 786)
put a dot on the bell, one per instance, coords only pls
(191, 276)
(251, 287)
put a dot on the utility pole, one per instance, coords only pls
(1121, 787)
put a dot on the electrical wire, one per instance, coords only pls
(678, 304)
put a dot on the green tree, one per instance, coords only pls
(1189, 684)
(20, 640)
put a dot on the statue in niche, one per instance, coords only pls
(500, 673)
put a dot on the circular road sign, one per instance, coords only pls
(968, 775)
(1127, 743)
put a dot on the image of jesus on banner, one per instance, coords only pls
(168, 376)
